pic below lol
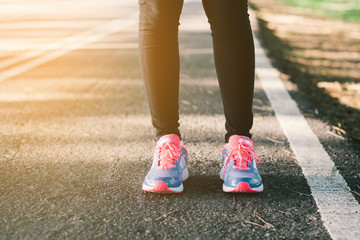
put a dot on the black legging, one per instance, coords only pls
(234, 61)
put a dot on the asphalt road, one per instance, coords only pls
(77, 141)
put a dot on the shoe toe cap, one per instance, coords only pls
(253, 180)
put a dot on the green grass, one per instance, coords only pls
(347, 10)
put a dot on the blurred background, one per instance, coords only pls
(316, 44)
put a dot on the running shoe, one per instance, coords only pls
(168, 170)
(239, 171)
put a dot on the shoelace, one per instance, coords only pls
(242, 154)
(168, 153)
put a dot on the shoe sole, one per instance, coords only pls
(161, 187)
(243, 187)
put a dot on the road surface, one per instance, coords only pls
(77, 141)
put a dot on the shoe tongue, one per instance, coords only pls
(170, 138)
(235, 139)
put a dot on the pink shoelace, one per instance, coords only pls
(168, 153)
(242, 153)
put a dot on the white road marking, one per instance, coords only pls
(93, 46)
(54, 46)
(63, 47)
(339, 210)
(47, 25)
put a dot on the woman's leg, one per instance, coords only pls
(159, 59)
(234, 61)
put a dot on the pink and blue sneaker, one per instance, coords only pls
(168, 170)
(239, 171)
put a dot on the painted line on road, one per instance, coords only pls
(93, 46)
(63, 47)
(339, 210)
(52, 46)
